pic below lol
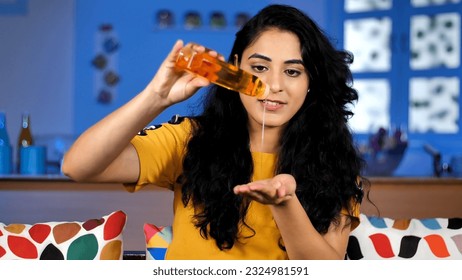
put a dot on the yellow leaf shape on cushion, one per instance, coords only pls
(15, 228)
(112, 250)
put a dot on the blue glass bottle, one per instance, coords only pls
(5, 147)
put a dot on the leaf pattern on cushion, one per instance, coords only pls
(93, 223)
(65, 231)
(114, 225)
(15, 228)
(62, 240)
(22, 247)
(424, 239)
(39, 232)
(437, 245)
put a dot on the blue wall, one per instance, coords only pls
(48, 45)
(143, 46)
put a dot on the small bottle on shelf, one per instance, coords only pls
(221, 73)
(4, 138)
(5, 146)
(25, 138)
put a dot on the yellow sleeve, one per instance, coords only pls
(160, 151)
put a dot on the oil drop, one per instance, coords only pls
(262, 139)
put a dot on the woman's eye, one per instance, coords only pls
(259, 68)
(293, 73)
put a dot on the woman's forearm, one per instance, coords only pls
(99, 148)
(301, 239)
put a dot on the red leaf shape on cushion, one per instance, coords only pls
(1, 233)
(114, 225)
(2, 251)
(93, 223)
(39, 232)
(22, 247)
(437, 245)
(382, 245)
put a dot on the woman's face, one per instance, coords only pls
(275, 57)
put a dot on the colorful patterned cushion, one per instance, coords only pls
(94, 239)
(425, 239)
(157, 241)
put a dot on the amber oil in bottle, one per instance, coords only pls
(219, 72)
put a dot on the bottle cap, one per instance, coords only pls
(265, 92)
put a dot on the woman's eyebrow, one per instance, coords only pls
(264, 57)
(294, 61)
(256, 55)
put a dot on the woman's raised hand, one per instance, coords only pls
(175, 85)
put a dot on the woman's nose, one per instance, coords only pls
(274, 82)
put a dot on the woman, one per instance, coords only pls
(287, 189)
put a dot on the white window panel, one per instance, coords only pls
(354, 6)
(369, 41)
(425, 3)
(372, 111)
(435, 41)
(434, 105)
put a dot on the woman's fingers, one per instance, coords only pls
(271, 191)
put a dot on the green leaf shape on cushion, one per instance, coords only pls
(83, 248)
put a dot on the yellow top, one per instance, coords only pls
(161, 153)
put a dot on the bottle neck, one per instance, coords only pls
(25, 121)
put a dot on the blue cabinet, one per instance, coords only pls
(407, 71)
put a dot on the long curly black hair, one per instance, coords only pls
(316, 147)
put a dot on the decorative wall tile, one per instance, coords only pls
(218, 20)
(373, 107)
(369, 41)
(105, 62)
(241, 19)
(165, 19)
(434, 105)
(435, 41)
(352, 6)
(192, 20)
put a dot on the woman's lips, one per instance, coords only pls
(271, 105)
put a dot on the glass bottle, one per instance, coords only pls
(25, 138)
(5, 147)
(4, 139)
(221, 73)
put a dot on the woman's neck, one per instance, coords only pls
(264, 140)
